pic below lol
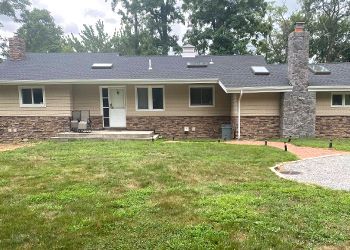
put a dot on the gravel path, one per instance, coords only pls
(331, 171)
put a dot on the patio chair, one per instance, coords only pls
(75, 119)
(84, 124)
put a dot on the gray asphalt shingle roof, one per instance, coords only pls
(232, 71)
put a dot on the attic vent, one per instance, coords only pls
(260, 70)
(197, 65)
(102, 66)
(319, 69)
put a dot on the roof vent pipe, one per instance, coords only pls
(150, 64)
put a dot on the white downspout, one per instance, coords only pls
(239, 116)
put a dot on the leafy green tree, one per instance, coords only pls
(160, 16)
(40, 32)
(328, 22)
(12, 9)
(93, 39)
(274, 45)
(225, 26)
(133, 20)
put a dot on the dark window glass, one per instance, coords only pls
(105, 102)
(142, 98)
(347, 100)
(207, 96)
(38, 96)
(27, 96)
(105, 92)
(201, 96)
(106, 112)
(106, 122)
(157, 96)
(337, 100)
(196, 96)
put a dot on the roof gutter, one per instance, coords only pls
(329, 88)
(111, 81)
(247, 90)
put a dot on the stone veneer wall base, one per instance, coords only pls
(19, 128)
(173, 126)
(333, 126)
(258, 127)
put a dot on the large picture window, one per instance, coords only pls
(149, 98)
(201, 96)
(340, 100)
(32, 96)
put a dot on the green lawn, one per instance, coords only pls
(339, 144)
(144, 195)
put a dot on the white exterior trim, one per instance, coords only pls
(329, 88)
(259, 89)
(113, 81)
(201, 86)
(150, 98)
(43, 105)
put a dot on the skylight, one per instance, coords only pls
(102, 66)
(319, 69)
(260, 70)
(197, 65)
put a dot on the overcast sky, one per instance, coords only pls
(72, 14)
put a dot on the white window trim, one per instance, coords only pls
(43, 105)
(150, 98)
(201, 106)
(343, 100)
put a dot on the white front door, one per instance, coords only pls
(117, 110)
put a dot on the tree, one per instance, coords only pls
(132, 18)
(10, 8)
(93, 39)
(274, 45)
(13, 8)
(161, 15)
(328, 22)
(40, 32)
(225, 26)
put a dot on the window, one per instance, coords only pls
(32, 96)
(150, 98)
(340, 100)
(201, 96)
(105, 107)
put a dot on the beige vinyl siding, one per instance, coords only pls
(177, 102)
(87, 97)
(260, 104)
(58, 102)
(324, 106)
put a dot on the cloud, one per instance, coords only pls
(71, 28)
(113, 21)
(94, 13)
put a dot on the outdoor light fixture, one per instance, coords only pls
(285, 147)
(331, 143)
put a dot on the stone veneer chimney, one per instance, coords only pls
(17, 48)
(298, 108)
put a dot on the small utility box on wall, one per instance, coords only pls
(226, 132)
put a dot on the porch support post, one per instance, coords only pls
(239, 116)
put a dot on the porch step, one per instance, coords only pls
(107, 135)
